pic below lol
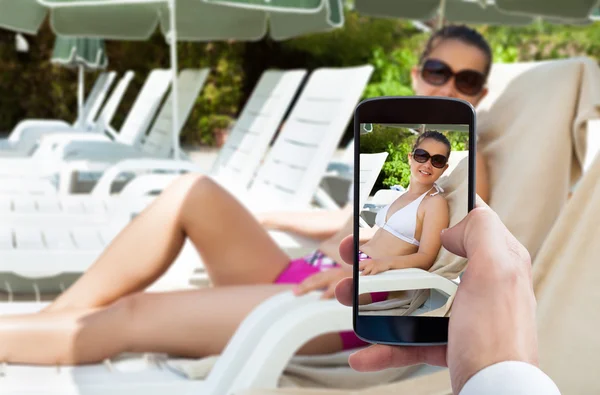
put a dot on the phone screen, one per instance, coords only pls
(413, 182)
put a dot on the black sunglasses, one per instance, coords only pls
(422, 156)
(469, 82)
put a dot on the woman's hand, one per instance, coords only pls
(326, 280)
(374, 266)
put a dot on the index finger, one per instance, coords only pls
(379, 357)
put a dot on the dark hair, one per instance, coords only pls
(433, 134)
(461, 33)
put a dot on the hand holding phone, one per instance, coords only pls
(493, 314)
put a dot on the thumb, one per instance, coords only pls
(347, 249)
(453, 239)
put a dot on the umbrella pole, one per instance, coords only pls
(442, 14)
(80, 86)
(174, 89)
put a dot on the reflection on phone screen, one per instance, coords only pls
(404, 204)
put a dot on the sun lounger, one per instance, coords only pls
(47, 156)
(288, 177)
(237, 161)
(13, 144)
(27, 141)
(238, 158)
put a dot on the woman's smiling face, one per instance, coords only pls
(426, 173)
(459, 56)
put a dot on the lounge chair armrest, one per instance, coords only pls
(273, 332)
(29, 139)
(54, 144)
(287, 332)
(99, 151)
(103, 187)
(33, 125)
(405, 279)
(146, 184)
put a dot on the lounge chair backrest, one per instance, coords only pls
(144, 107)
(370, 168)
(293, 168)
(110, 108)
(254, 129)
(96, 97)
(159, 142)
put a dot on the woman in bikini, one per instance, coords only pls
(105, 312)
(407, 231)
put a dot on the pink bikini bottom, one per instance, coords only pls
(299, 269)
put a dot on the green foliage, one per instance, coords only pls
(32, 87)
(398, 143)
(459, 141)
(352, 45)
(220, 98)
(392, 73)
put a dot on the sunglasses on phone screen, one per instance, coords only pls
(437, 73)
(422, 156)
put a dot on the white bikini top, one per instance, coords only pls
(403, 223)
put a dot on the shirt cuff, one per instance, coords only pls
(510, 377)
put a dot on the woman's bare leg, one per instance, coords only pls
(194, 323)
(235, 249)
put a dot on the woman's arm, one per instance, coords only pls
(365, 234)
(435, 219)
(316, 224)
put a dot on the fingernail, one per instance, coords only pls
(443, 230)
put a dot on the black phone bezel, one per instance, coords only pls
(407, 330)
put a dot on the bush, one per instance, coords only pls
(33, 88)
(220, 97)
(398, 143)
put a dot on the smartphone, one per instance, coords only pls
(414, 175)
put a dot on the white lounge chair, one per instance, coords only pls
(238, 158)
(307, 137)
(300, 153)
(26, 145)
(254, 358)
(46, 157)
(69, 243)
(248, 141)
(91, 107)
